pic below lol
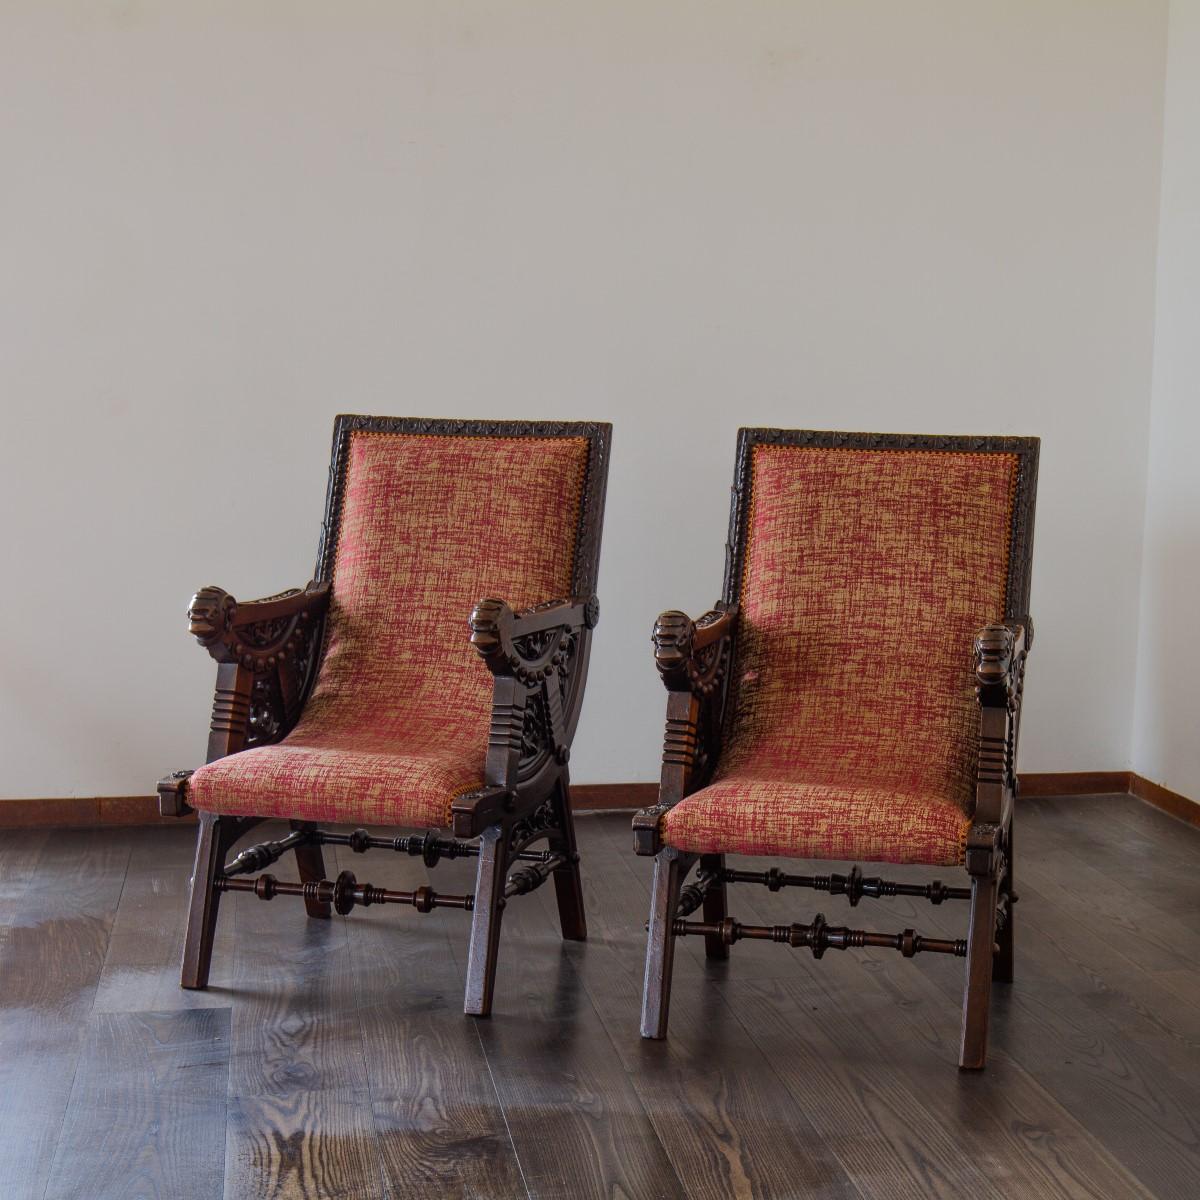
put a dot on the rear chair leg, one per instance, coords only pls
(980, 949)
(311, 864)
(211, 844)
(568, 886)
(485, 923)
(714, 907)
(1002, 968)
(670, 867)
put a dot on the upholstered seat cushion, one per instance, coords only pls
(742, 815)
(397, 723)
(364, 782)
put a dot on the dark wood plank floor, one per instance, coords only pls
(332, 1059)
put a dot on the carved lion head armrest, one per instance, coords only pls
(693, 658)
(255, 633)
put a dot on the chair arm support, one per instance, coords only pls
(1000, 653)
(538, 658)
(266, 652)
(692, 656)
(255, 633)
(693, 659)
(473, 812)
(528, 644)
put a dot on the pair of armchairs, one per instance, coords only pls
(854, 695)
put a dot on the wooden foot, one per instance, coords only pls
(211, 845)
(568, 886)
(714, 907)
(485, 924)
(311, 864)
(670, 867)
(977, 997)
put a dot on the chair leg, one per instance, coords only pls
(485, 921)
(1002, 968)
(211, 844)
(310, 862)
(714, 907)
(568, 886)
(670, 867)
(980, 950)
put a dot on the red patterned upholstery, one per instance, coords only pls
(853, 722)
(396, 726)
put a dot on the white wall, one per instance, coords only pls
(1167, 727)
(222, 223)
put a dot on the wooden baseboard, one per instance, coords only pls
(1074, 783)
(1165, 799)
(588, 797)
(96, 811)
(82, 812)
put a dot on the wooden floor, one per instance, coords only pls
(332, 1059)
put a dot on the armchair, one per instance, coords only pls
(856, 694)
(357, 699)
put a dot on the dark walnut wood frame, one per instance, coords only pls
(268, 655)
(695, 661)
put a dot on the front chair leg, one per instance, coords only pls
(485, 922)
(211, 845)
(981, 940)
(568, 886)
(670, 867)
(310, 862)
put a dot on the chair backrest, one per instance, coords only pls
(423, 519)
(863, 565)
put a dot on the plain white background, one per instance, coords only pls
(1167, 726)
(221, 224)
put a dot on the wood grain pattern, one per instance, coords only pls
(577, 1125)
(147, 1111)
(720, 1110)
(141, 965)
(439, 1124)
(337, 1063)
(899, 1026)
(52, 950)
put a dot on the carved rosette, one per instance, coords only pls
(542, 822)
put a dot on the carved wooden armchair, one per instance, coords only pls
(358, 700)
(855, 695)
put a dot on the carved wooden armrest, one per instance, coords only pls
(1000, 653)
(529, 643)
(266, 651)
(538, 657)
(255, 633)
(693, 656)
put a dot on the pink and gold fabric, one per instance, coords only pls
(396, 726)
(853, 724)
